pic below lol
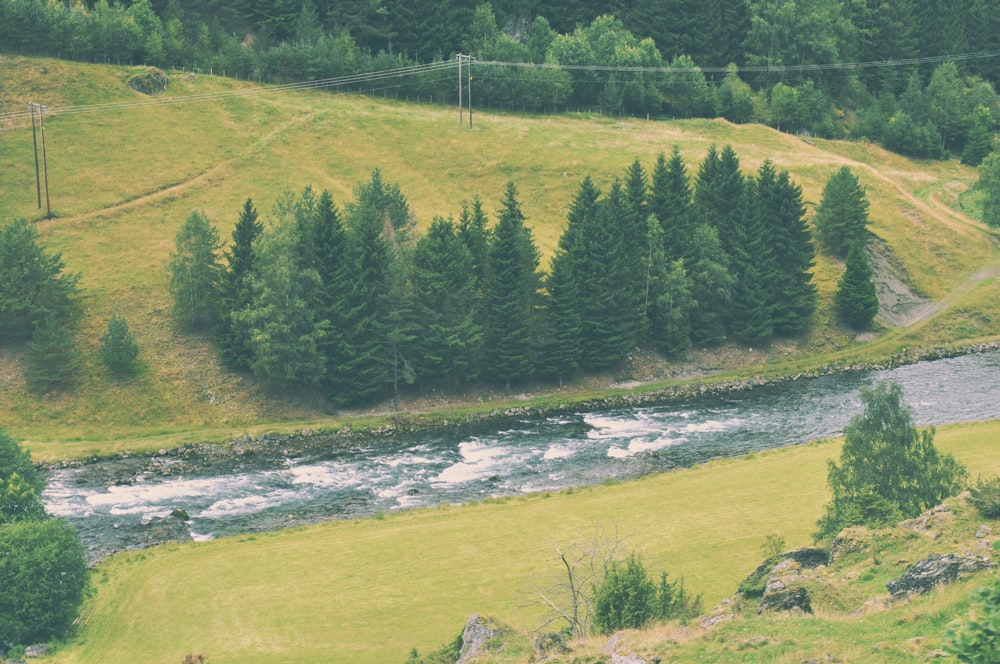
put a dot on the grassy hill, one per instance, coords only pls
(123, 179)
(124, 175)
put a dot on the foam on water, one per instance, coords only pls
(558, 451)
(248, 504)
(479, 461)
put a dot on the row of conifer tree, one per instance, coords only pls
(353, 301)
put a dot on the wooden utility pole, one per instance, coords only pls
(469, 87)
(461, 116)
(45, 166)
(34, 140)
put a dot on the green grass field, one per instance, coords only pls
(123, 180)
(370, 590)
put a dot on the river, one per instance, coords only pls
(534, 455)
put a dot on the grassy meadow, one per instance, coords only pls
(370, 590)
(122, 181)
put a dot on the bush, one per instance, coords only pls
(118, 347)
(20, 484)
(977, 640)
(52, 358)
(43, 576)
(986, 497)
(628, 599)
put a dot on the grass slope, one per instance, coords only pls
(123, 179)
(369, 590)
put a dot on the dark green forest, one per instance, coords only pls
(346, 298)
(914, 75)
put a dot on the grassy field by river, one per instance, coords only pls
(124, 179)
(370, 590)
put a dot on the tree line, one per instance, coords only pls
(780, 53)
(354, 302)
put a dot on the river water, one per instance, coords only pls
(534, 455)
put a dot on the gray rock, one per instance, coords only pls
(475, 635)
(37, 650)
(923, 576)
(786, 600)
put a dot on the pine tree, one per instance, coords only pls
(842, 214)
(668, 296)
(118, 347)
(719, 192)
(711, 286)
(510, 292)
(559, 346)
(856, 300)
(472, 229)
(325, 250)
(285, 331)
(235, 293)
(448, 344)
(751, 263)
(670, 203)
(195, 273)
(793, 294)
(366, 365)
(53, 357)
(33, 283)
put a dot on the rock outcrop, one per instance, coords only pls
(934, 570)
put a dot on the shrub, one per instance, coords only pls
(43, 575)
(977, 640)
(52, 358)
(118, 347)
(986, 497)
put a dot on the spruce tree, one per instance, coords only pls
(719, 194)
(472, 229)
(668, 296)
(670, 203)
(842, 214)
(53, 357)
(510, 293)
(33, 283)
(118, 347)
(235, 293)
(793, 294)
(449, 339)
(751, 263)
(195, 274)
(366, 364)
(284, 330)
(856, 301)
(711, 286)
(559, 346)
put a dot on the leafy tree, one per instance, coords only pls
(980, 138)
(734, 98)
(842, 214)
(989, 184)
(510, 292)
(43, 576)
(21, 485)
(235, 292)
(977, 639)
(52, 358)
(33, 284)
(856, 300)
(118, 348)
(888, 470)
(195, 273)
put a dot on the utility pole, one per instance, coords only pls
(468, 86)
(34, 140)
(461, 116)
(45, 167)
